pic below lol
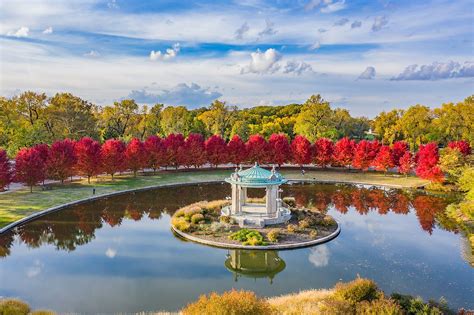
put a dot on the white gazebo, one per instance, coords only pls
(272, 211)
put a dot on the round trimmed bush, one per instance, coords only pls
(357, 290)
(13, 307)
(273, 235)
(197, 218)
(292, 228)
(230, 302)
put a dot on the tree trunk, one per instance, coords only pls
(31, 189)
(88, 179)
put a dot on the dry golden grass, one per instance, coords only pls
(304, 302)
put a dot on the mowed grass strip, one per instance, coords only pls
(21, 203)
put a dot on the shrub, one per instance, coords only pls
(381, 306)
(13, 307)
(304, 224)
(415, 305)
(290, 201)
(216, 205)
(335, 307)
(197, 218)
(357, 290)
(181, 224)
(225, 219)
(192, 210)
(219, 227)
(248, 237)
(230, 302)
(292, 228)
(273, 235)
(313, 233)
(328, 221)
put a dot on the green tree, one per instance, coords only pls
(455, 121)
(120, 120)
(218, 118)
(415, 125)
(316, 119)
(175, 120)
(385, 125)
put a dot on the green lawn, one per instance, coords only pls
(20, 203)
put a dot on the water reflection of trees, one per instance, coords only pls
(72, 227)
(69, 228)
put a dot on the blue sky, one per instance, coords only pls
(366, 56)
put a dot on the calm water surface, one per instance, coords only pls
(118, 254)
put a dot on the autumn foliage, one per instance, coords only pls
(29, 167)
(427, 163)
(301, 150)
(384, 159)
(323, 152)
(88, 157)
(113, 157)
(462, 146)
(279, 149)
(236, 150)
(5, 170)
(257, 149)
(135, 155)
(155, 152)
(216, 148)
(61, 160)
(343, 152)
(174, 154)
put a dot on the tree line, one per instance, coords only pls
(88, 157)
(32, 118)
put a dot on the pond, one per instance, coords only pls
(118, 254)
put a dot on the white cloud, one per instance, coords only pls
(368, 74)
(92, 54)
(437, 71)
(326, 6)
(241, 31)
(268, 30)
(297, 67)
(263, 62)
(48, 30)
(319, 256)
(21, 32)
(379, 23)
(112, 4)
(168, 55)
(110, 252)
(34, 270)
(356, 24)
(192, 96)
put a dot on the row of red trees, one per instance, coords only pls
(88, 157)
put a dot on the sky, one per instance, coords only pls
(366, 56)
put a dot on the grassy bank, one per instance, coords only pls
(17, 204)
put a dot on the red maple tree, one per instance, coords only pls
(405, 164)
(343, 152)
(174, 154)
(236, 150)
(216, 150)
(384, 159)
(323, 152)
(463, 146)
(427, 160)
(279, 149)
(113, 156)
(61, 160)
(365, 153)
(5, 170)
(257, 149)
(194, 150)
(135, 155)
(398, 150)
(29, 167)
(155, 152)
(88, 157)
(301, 150)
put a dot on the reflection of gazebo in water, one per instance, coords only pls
(273, 211)
(254, 264)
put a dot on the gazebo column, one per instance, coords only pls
(236, 200)
(243, 196)
(271, 199)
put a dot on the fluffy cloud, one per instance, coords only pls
(297, 67)
(437, 71)
(48, 30)
(319, 256)
(315, 46)
(263, 62)
(326, 6)
(21, 32)
(241, 31)
(356, 24)
(368, 74)
(182, 94)
(379, 22)
(269, 29)
(341, 22)
(110, 252)
(168, 55)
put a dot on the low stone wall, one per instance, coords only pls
(195, 239)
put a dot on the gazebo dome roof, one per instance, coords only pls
(256, 177)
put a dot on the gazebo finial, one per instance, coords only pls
(256, 163)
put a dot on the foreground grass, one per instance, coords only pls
(18, 204)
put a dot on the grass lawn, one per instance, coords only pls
(17, 204)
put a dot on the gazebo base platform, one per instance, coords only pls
(259, 220)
